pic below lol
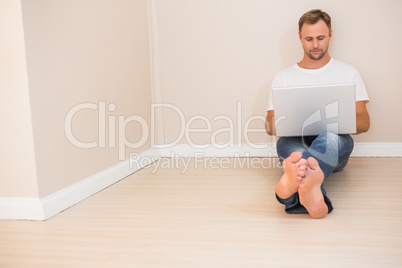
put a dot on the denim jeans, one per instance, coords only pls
(332, 152)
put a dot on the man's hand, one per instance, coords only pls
(270, 123)
(362, 117)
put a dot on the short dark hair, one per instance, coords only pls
(313, 16)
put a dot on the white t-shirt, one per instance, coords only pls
(334, 72)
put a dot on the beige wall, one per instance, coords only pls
(216, 53)
(17, 172)
(217, 58)
(92, 51)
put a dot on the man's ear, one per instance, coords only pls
(300, 37)
(330, 33)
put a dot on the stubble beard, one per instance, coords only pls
(320, 56)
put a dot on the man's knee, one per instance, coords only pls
(338, 145)
(341, 139)
(348, 141)
(329, 136)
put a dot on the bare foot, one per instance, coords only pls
(294, 170)
(310, 193)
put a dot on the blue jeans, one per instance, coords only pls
(332, 151)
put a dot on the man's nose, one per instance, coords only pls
(315, 43)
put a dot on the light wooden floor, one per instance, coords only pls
(218, 217)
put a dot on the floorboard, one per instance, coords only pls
(218, 213)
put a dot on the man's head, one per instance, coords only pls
(315, 33)
(313, 16)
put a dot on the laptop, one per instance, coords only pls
(313, 110)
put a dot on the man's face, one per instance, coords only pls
(315, 39)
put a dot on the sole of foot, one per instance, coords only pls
(294, 168)
(310, 193)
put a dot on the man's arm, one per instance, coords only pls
(362, 117)
(270, 123)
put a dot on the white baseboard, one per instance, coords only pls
(49, 206)
(21, 209)
(377, 149)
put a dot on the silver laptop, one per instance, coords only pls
(312, 110)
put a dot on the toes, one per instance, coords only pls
(295, 157)
(302, 167)
(312, 163)
(301, 173)
(302, 162)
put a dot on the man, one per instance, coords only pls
(307, 161)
